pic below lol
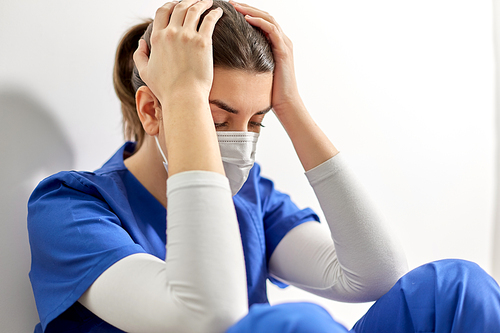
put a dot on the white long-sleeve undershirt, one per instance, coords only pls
(361, 264)
(202, 284)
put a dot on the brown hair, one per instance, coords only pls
(236, 45)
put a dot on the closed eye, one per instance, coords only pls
(256, 124)
(251, 124)
(221, 125)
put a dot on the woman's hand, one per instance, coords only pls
(180, 62)
(179, 72)
(285, 92)
(312, 146)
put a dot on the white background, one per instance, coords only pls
(405, 89)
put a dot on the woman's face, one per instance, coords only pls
(239, 100)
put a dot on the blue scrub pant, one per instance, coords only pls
(443, 296)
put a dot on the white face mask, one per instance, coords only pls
(237, 150)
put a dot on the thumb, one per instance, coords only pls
(141, 56)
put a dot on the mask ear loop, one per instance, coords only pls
(165, 162)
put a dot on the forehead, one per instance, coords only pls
(242, 89)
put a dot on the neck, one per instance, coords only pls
(146, 165)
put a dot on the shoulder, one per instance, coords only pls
(70, 196)
(68, 182)
(103, 180)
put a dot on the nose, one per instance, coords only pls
(239, 125)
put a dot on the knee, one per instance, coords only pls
(458, 265)
(451, 275)
(458, 271)
(288, 317)
(303, 317)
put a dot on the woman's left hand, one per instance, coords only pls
(285, 91)
(312, 145)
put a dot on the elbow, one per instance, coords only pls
(377, 285)
(214, 318)
(354, 288)
(208, 311)
(220, 320)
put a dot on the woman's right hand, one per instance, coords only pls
(179, 72)
(180, 62)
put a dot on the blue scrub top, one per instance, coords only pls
(81, 223)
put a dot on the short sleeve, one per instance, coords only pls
(280, 214)
(74, 237)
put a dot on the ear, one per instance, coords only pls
(149, 110)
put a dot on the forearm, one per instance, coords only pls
(190, 135)
(359, 261)
(200, 287)
(311, 144)
(203, 238)
(367, 252)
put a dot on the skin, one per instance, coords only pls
(181, 81)
(249, 94)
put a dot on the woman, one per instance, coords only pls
(98, 239)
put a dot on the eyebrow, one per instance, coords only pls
(229, 109)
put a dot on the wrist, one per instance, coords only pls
(293, 105)
(187, 98)
(291, 113)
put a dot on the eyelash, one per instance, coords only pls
(252, 123)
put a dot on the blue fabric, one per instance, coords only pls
(287, 318)
(454, 296)
(447, 296)
(80, 223)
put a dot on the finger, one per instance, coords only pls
(162, 15)
(179, 13)
(141, 55)
(252, 11)
(234, 3)
(271, 30)
(255, 12)
(194, 12)
(209, 21)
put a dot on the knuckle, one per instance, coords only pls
(185, 37)
(154, 38)
(171, 33)
(165, 9)
(195, 6)
(211, 17)
(204, 42)
(161, 10)
(182, 5)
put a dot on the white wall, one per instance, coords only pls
(496, 230)
(403, 88)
